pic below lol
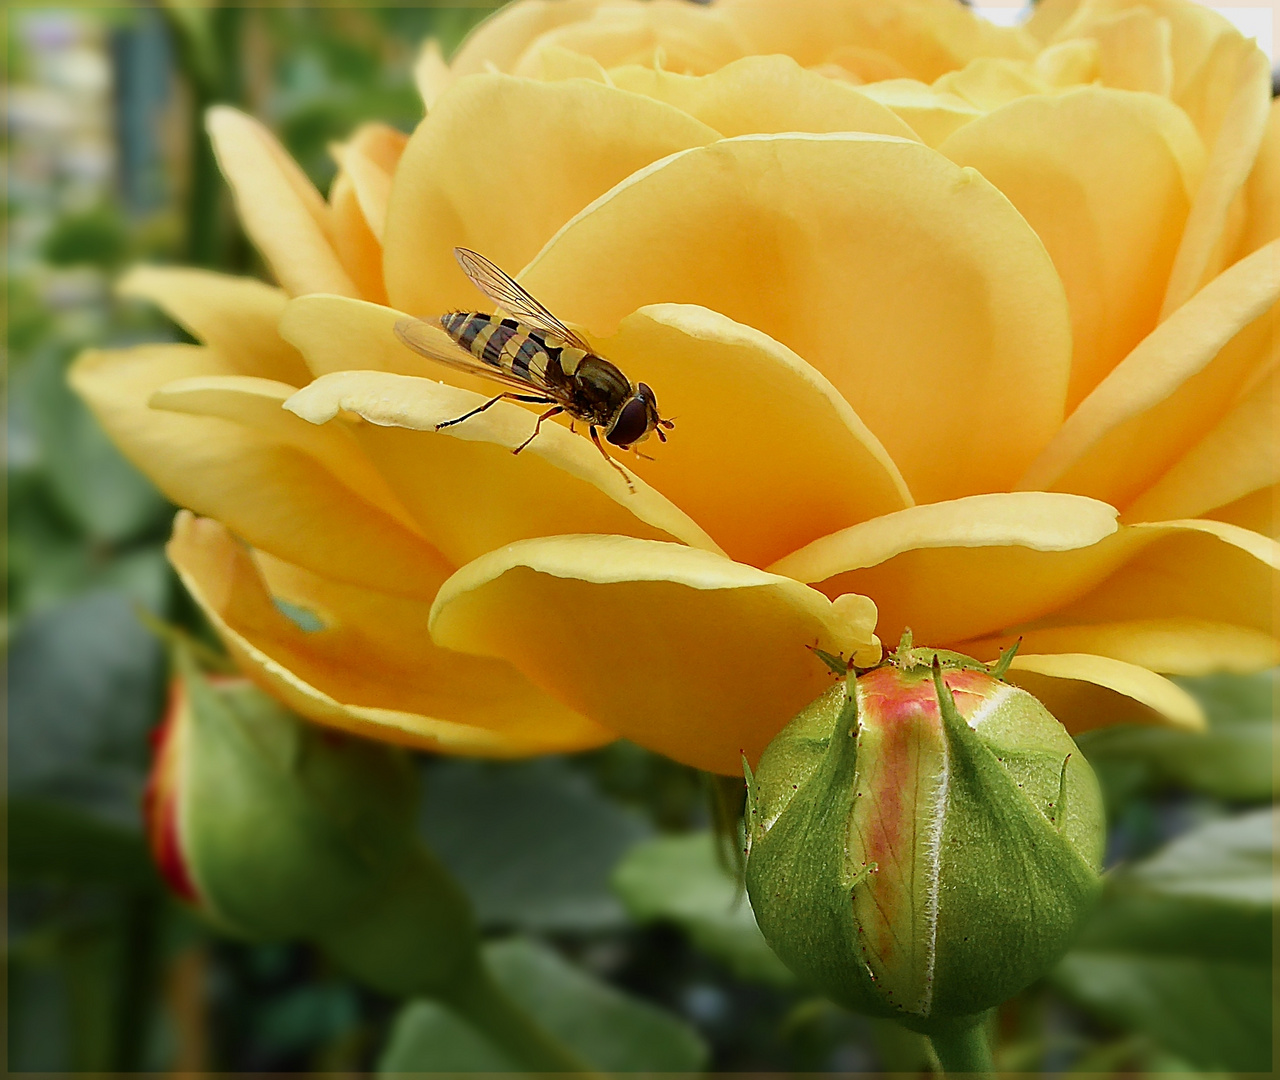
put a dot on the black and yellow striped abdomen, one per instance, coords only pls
(514, 347)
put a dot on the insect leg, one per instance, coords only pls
(605, 453)
(536, 427)
(535, 399)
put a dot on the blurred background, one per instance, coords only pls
(605, 858)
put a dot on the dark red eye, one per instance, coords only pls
(631, 423)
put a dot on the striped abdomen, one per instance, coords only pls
(512, 346)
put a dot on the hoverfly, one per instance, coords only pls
(535, 352)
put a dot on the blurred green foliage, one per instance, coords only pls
(629, 918)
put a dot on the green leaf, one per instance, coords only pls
(611, 1030)
(533, 844)
(1181, 947)
(94, 485)
(680, 879)
(85, 688)
(48, 842)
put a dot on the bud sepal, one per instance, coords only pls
(923, 840)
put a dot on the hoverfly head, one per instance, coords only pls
(636, 419)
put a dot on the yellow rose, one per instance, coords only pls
(966, 329)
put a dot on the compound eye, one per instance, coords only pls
(631, 423)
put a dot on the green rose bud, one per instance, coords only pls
(924, 841)
(275, 828)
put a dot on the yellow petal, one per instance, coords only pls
(1087, 692)
(931, 114)
(991, 82)
(430, 72)
(764, 94)
(856, 64)
(463, 485)
(273, 495)
(1173, 646)
(336, 333)
(673, 33)
(259, 404)
(1105, 178)
(1237, 457)
(1258, 512)
(553, 148)
(279, 208)
(370, 158)
(1048, 17)
(1134, 51)
(1195, 32)
(954, 570)
(682, 651)
(236, 317)
(1068, 64)
(927, 37)
(357, 246)
(1205, 241)
(1169, 391)
(506, 34)
(779, 460)
(1189, 569)
(1262, 192)
(912, 285)
(372, 669)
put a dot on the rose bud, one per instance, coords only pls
(924, 840)
(275, 828)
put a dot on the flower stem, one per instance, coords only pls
(964, 1050)
(488, 1008)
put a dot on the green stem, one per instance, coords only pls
(486, 1006)
(964, 1050)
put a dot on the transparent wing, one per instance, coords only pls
(427, 339)
(512, 297)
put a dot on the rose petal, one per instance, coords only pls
(504, 35)
(954, 570)
(280, 210)
(682, 651)
(764, 94)
(431, 74)
(1105, 178)
(910, 284)
(1259, 512)
(1206, 241)
(1086, 692)
(370, 158)
(259, 404)
(991, 82)
(1169, 391)
(463, 485)
(372, 669)
(273, 495)
(1189, 569)
(237, 317)
(574, 140)
(336, 333)
(1173, 646)
(1262, 192)
(672, 33)
(780, 460)
(1237, 457)
(928, 37)
(931, 114)
(357, 246)
(1134, 51)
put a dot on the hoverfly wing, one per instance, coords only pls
(428, 339)
(513, 298)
